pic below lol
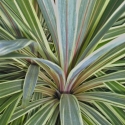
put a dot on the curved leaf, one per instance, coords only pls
(114, 99)
(120, 75)
(13, 45)
(47, 8)
(32, 105)
(97, 117)
(10, 88)
(56, 72)
(9, 111)
(69, 110)
(9, 101)
(66, 18)
(30, 83)
(43, 114)
(103, 30)
(110, 113)
(25, 16)
(92, 59)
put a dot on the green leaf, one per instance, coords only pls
(66, 17)
(11, 75)
(69, 110)
(94, 12)
(45, 90)
(103, 30)
(43, 114)
(110, 113)
(118, 63)
(47, 8)
(8, 102)
(9, 25)
(56, 73)
(30, 83)
(31, 106)
(85, 15)
(87, 120)
(94, 115)
(9, 111)
(5, 35)
(79, 63)
(121, 112)
(54, 117)
(114, 99)
(120, 75)
(14, 86)
(111, 7)
(113, 33)
(114, 86)
(94, 63)
(25, 16)
(11, 87)
(13, 45)
(2, 100)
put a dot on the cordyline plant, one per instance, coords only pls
(62, 62)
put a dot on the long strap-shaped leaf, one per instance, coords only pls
(112, 56)
(110, 113)
(11, 87)
(25, 16)
(114, 86)
(121, 113)
(41, 117)
(47, 8)
(120, 75)
(113, 33)
(66, 17)
(103, 30)
(32, 105)
(9, 111)
(89, 14)
(94, 57)
(10, 46)
(97, 117)
(13, 45)
(5, 35)
(30, 83)
(8, 102)
(8, 23)
(87, 121)
(112, 6)
(69, 110)
(55, 70)
(114, 99)
(54, 117)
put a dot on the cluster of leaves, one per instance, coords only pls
(62, 62)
